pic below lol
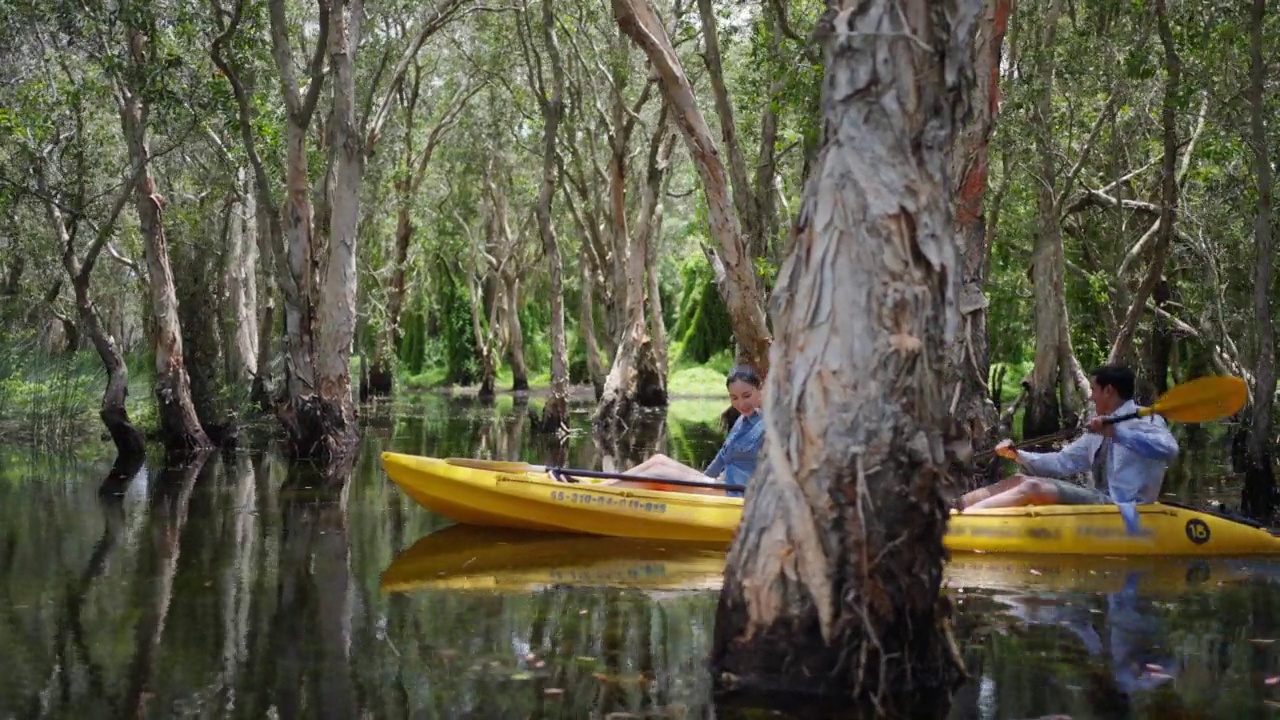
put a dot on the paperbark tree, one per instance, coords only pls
(741, 289)
(1057, 383)
(555, 414)
(636, 378)
(972, 403)
(832, 581)
(179, 426)
(1259, 492)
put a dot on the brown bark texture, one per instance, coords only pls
(1259, 493)
(179, 425)
(972, 402)
(832, 581)
(741, 290)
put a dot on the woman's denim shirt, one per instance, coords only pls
(737, 457)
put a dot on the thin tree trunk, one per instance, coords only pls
(129, 441)
(741, 291)
(179, 425)
(832, 581)
(1045, 412)
(240, 279)
(744, 200)
(1258, 499)
(972, 403)
(587, 326)
(555, 414)
(1122, 348)
(515, 332)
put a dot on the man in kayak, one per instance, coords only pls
(1127, 458)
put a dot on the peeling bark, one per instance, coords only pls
(741, 291)
(636, 379)
(1050, 404)
(972, 403)
(180, 427)
(832, 582)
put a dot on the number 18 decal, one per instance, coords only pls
(1197, 531)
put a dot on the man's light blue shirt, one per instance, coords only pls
(1141, 450)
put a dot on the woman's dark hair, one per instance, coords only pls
(739, 373)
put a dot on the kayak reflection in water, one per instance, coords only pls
(736, 460)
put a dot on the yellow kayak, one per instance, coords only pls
(532, 500)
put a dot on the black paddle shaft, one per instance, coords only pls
(555, 472)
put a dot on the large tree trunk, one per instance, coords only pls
(555, 414)
(1259, 485)
(741, 291)
(832, 582)
(337, 318)
(636, 379)
(204, 313)
(179, 425)
(969, 361)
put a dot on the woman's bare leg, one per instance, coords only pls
(661, 466)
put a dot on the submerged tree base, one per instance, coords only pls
(318, 430)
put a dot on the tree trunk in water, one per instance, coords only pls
(114, 412)
(205, 315)
(332, 403)
(741, 291)
(485, 341)
(382, 377)
(1258, 499)
(180, 427)
(269, 243)
(969, 361)
(635, 378)
(515, 333)
(1046, 413)
(587, 323)
(241, 281)
(555, 414)
(832, 582)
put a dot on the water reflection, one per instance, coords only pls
(240, 586)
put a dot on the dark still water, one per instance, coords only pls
(240, 588)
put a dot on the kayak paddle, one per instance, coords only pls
(503, 466)
(1195, 401)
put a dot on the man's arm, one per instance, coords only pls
(1076, 457)
(1150, 439)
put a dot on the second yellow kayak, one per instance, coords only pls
(534, 501)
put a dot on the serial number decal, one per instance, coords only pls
(577, 498)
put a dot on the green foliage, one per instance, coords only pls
(703, 327)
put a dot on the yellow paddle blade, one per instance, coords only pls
(501, 466)
(1201, 400)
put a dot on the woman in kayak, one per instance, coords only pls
(737, 457)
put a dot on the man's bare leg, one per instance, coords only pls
(973, 496)
(1028, 491)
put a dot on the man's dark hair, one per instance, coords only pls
(1119, 377)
